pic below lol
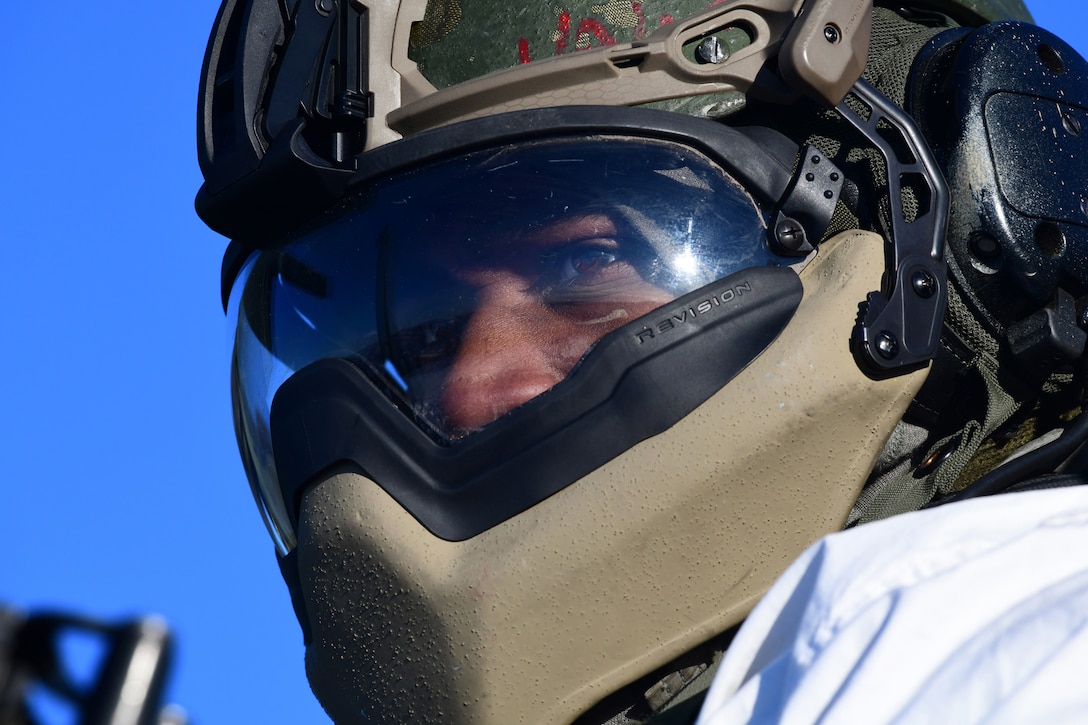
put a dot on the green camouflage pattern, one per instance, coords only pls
(463, 39)
(458, 40)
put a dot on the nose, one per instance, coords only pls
(513, 348)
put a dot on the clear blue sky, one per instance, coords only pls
(123, 490)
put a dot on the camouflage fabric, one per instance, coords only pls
(463, 39)
(458, 40)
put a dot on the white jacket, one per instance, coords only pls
(968, 613)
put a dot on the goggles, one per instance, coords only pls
(489, 298)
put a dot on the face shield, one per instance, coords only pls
(467, 283)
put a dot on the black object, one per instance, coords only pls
(999, 106)
(289, 142)
(900, 325)
(127, 687)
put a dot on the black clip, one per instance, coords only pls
(1049, 337)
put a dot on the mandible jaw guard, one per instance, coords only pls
(608, 583)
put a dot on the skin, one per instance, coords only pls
(538, 311)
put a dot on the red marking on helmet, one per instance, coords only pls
(562, 32)
(640, 25)
(599, 31)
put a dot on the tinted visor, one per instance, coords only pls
(467, 287)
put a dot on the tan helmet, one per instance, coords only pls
(538, 382)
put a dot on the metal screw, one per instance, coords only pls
(831, 34)
(710, 50)
(790, 234)
(325, 6)
(924, 283)
(886, 345)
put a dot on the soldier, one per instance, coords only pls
(562, 329)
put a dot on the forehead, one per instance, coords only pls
(522, 248)
(529, 187)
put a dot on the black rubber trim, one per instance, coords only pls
(263, 210)
(637, 382)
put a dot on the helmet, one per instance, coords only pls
(560, 332)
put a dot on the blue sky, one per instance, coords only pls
(123, 490)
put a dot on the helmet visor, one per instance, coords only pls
(466, 287)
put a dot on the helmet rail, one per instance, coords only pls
(900, 326)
